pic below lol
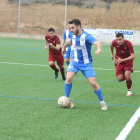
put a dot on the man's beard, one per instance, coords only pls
(77, 31)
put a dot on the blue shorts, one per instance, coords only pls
(67, 54)
(86, 69)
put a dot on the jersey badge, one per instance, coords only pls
(82, 39)
(125, 47)
(53, 41)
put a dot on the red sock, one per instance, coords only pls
(129, 84)
(62, 71)
(53, 67)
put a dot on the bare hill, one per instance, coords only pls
(37, 18)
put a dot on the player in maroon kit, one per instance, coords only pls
(55, 53)
(123, 60)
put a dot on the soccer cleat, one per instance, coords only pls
(103, 106)
(56, 73)
(129, 93)
(71, 104)
(64, 78)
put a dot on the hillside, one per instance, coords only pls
(37, 18)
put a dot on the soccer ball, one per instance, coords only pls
(64, 101)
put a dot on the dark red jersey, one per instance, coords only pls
(123, 51)
(54, 41)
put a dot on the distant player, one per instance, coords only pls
(123, 60)
(55, 52)
(67, 35)
(82, 60)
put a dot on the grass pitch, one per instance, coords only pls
(29, 94)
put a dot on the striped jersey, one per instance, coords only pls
(82, 47)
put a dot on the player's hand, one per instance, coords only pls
(112, 56)
(50, 44)
(97, 52)
(118, 60)
(63, 51)
(46, 47)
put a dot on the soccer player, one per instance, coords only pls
(123, 60)
(82, 60)
(55, 52)
(67, 35)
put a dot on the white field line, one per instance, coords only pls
(46, 65)
(126, 130)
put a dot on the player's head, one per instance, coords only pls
(75, 26)
(68, 25)
(51, 32)
(120, 38)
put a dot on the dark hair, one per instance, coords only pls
(119, 34)
(51, 30)
(75, 21)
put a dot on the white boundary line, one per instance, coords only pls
(47, 65)
(126, 130)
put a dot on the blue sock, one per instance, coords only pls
(67, 63)
(67, 89)
(99, 94)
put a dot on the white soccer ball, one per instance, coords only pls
(64, 101)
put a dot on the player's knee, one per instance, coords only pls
(51, 63)
(127, 77)
(94, 85)
(68, 80)
(120, 79)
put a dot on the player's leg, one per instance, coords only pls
(90, 75)
(120, 72)
(128, 82)
(67, 57)
(60, 62)
(52, 65)
(71, 71)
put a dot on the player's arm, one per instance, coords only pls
(63, 40)
(57, 47)
(131, 57)
(46, 42)
(112, 51)
(68, 43)
(99, 47)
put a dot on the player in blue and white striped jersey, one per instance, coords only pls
(67, 35)
(82, 60)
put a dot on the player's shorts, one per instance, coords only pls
(58, 58)
(86, 69)
(68, 51)
(121, 68)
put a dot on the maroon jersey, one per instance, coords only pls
(54, 41)
(123, 51)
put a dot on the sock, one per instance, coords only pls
(62, 71)
(99, 94)
(67, 89)
(67, 63)
(129, 83)
(53, 67)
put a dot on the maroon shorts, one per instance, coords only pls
(58, 58)
(121, 68)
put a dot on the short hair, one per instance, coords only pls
(51, 30)
(119, 34)
(75, 21)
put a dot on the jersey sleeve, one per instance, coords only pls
(131, 50)
(90, 39)
(64, 36)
